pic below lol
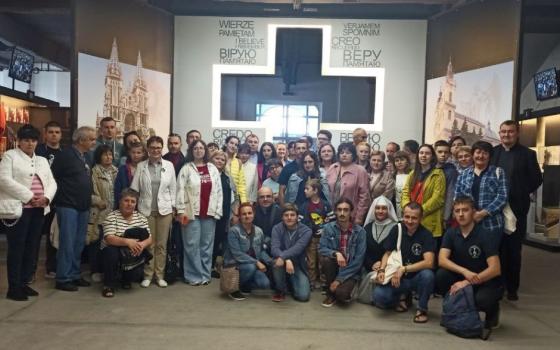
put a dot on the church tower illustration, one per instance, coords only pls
(129, 108)
(445, 108)
(449, 122)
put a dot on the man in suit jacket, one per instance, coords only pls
(524, 177)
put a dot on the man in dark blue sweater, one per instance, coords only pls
(72, 201)
(289, 240)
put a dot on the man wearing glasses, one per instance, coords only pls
(323, 137)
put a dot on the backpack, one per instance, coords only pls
(460, 316)
(173, 261)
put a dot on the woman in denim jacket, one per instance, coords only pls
(308, 169)
(245, 249)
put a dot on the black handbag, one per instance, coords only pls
(128, 261)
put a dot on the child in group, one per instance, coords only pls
(402, 168)
(315, 212)
(443, 154)
(275, 167)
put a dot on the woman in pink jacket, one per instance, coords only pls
(350, 180)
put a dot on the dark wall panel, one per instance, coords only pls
(136, 26)
(473, 36)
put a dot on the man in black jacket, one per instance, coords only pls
(524, 177)
(72, 201)
(267, 214)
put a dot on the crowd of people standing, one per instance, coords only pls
(294, 218)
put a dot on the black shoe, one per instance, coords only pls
(126, 285)
(30, 292)
(81, 283)
(66, 286)
(215, 274)
(16, 295)
(237, 296)
(512, 296)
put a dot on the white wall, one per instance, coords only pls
(399, 69)
(54, 86)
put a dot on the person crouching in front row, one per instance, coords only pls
(246, 250)
(116, 227)
(468, 256)
(417, 251)
(342, 247)
(289, 240)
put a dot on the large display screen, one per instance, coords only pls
(546, 84)
(21, 66)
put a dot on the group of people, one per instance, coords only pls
(293, 217)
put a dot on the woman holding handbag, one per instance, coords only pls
(27, 186)
(380, 219)
(487, 185)
(245, 250)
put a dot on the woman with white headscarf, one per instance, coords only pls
(379, 221)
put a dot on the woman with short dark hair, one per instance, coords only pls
(487, 185)
(27, 186)
(348, 179)
(155, 181)
(103, 176)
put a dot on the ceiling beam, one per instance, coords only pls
(26, 37)
(35, 6)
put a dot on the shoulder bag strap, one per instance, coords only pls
(399, 239)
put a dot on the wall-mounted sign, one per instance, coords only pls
(355, 44)
(243, 44)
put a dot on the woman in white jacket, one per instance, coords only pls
(199, 205)
(155, 180)
(26, 183)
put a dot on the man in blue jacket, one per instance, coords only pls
(289, 240)
(342, 248)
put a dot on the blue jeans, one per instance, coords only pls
(72, 225)
(299, 282)
(198, 243)
(252, 278)
(387, 296)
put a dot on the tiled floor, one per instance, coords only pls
(185, 317)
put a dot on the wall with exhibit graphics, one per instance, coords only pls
(392, 51)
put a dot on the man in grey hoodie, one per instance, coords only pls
(289, 241)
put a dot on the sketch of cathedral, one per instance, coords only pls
(128, 107)
(449, 122)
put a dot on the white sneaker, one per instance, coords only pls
(97, 277)
(145, 283)
(161, 283)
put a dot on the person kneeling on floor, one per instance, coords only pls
(342, 247)
(246, 250)
(417, 251)
(468, 257)
(289, 240)
(126, 236)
